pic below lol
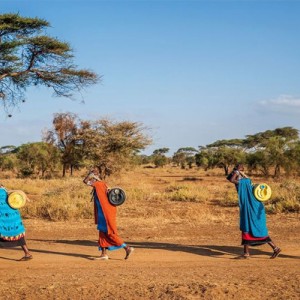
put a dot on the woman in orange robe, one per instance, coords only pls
(105, 218)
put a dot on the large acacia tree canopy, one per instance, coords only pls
(28, 58)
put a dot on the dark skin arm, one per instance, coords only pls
(234, 178)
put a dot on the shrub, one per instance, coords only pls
(185, 194)
(285, 197)
(229, 198)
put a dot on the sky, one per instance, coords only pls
(192, 72)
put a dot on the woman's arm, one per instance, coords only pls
(243, 174)
(91, 178)
(234, 178)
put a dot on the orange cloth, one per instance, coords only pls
(106, 220)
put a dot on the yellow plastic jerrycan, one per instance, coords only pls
(262, 192)
(16, 199)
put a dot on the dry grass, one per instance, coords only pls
(285, 197)
(153, 195)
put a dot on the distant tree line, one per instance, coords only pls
(267, 153)
(72, 144)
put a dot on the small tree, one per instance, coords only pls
(258, 161)
(293, 156)
(111, 146)
(185, 156)
(29, 58)
(204, 158)
(159, 158)
(37, 158)
(64, 136)
(226, 153)
(8, 157)
(276, 145)
(8, 162)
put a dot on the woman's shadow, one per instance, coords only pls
(215, 251)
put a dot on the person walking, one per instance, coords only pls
(105, 217)
(252, 215)
(12, 230)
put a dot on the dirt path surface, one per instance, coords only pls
(170, 261)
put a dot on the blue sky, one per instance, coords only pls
(192, 71)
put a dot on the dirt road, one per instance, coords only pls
(170, 261)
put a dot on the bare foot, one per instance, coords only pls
(102, 257)
(129, 251)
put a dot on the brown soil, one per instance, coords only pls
(172, 260)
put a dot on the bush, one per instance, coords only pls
(184, 194)
(229, 198)
(285, 198)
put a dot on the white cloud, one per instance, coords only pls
(283, 101)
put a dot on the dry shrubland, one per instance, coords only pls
(154, 194)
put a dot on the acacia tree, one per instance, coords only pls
(259, 161)
(159, 157)
(30, 58)
(64, 137)
(204, 158)
(224, 157)
(224, 153)
(276, 145)
(185, 156)
(8, 161)
(111, 146)
(8, 157)
(293, 156)
(37, 158)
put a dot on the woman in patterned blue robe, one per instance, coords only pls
(12, 231)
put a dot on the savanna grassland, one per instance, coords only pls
(183, 225)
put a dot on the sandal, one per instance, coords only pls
(26, 257)
(276, 252)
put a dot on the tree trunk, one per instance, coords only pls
(64, 170)
(277, 171)
(226, 169)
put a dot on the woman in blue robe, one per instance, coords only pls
(12, 231)
(253, 223)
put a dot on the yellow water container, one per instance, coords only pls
(16, 199)
(262, 192)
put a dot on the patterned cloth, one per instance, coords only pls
(248, 239)
(11, 225)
